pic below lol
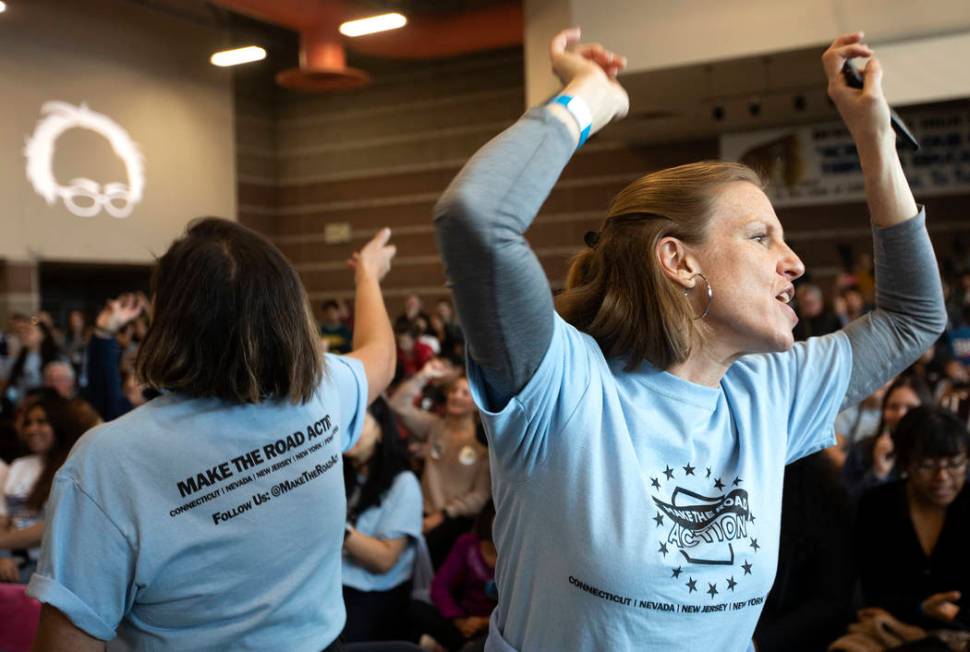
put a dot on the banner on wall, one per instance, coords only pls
(817, 164)
(82, 196)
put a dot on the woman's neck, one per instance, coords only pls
(703, 367)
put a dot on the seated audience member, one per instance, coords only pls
(856, 423)
(76, 340)
(850, 304)
(50, 425)
(912, 535)
(877, 630)
(413, 309)
(809, 602)
(870, 462)
(383, 530)
(412, 354)
(455, 482)
(111, 391)
(59, 376)
(426, 336)
(463, 591)
(333, 330)
(959, 337)
(813, 318)
(38, 349)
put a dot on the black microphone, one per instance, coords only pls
(854, 80)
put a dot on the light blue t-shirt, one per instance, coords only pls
(194, 524)
(639, 511)
(398, 515)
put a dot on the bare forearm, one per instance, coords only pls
(376, 555)
(373, 337)
(887, 190)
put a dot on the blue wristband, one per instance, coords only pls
(580, 112)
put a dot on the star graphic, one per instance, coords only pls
(663, 549)
(659, 519)
(747, 567)
(754, 544)
(655, 483)
(718, 483)
(737, 481)
(688, 469)
(677, 571)
(708, 473)
(691, 585)
(712, 591)
(669, 472)
(731, 583)
(751, 517)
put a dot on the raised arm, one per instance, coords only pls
(373, 338)
(104, 391)
(910, 313)
(419, 422)
(501, 292)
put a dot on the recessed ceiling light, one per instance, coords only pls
(3, 6)
(239, 55)
(373, 24)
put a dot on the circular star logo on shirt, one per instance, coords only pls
(706, 522)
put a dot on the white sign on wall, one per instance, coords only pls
(818, 164)
(83, 197)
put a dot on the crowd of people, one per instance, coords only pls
(595, 464)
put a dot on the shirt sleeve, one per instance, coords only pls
(346, 377)
(401, 509)
(519, 433)
(86, 568)
(819, 371)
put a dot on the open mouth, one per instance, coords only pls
(786, 295)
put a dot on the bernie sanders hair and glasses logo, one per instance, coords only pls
(83, 197)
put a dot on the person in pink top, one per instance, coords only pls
(463, 591)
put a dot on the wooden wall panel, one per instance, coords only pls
(382, 155)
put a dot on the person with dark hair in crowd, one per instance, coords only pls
(107, 389)
(213, 516)
(76, 341)
(383, 530)
(333, 330)
(871, 460)
(413, 308)
(49, 425)
(642, 432)
(913, 534)
(463, 592)
(814, 318)
(455, 481)
(38, 349)
(809, 603)
(412, 353)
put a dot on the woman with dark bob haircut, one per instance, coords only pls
(643, 423)
(913, 534)
(212, 517)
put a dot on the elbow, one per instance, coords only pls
(460, 221)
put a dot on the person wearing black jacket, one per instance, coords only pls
(912, 536)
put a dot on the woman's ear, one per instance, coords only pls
(676, 262)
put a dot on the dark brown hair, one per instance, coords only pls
(616, 290)
(68, 419)
(231, 320)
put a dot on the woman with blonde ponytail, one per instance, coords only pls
(639, 435)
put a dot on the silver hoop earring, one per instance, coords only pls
(710, 295)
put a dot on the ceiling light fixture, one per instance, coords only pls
(3, 6)
(238, 56)
(373, 24)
